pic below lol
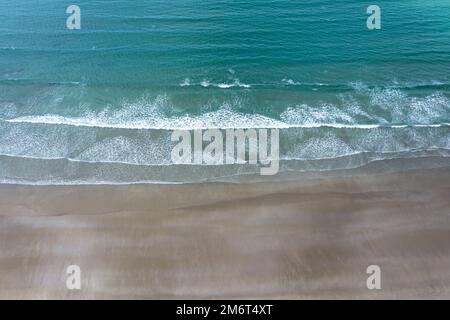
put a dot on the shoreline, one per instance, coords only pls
(294, 240)
(290, 171)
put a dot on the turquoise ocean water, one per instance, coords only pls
(97, 105)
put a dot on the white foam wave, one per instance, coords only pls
(213, 120)
(222, 119)
(388, 108)
(236, 83)
(205, 83)
(291, 82)
(222, 85)
(186, 83)
(381, 155)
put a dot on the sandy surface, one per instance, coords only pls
(280, 240)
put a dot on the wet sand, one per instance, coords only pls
(294, 240)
